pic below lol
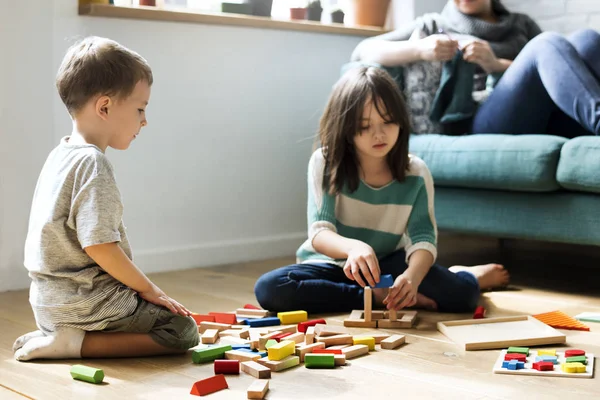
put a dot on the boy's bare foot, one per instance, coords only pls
(26, 338)
(489, 275)
(65, 343)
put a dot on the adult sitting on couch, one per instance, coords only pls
(549, 83)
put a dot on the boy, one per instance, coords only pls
(88, 298)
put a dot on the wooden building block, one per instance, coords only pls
(246, 312)
(303, 326)
(256, 370)
(251, 307)
(378, 314)
(262, 341)
(268, 321)
(281, 350)
(355, 351)
(560, 320)
(286, 328)
(312, 360)
(339, 346)
(280, 365)
(234, 341)
(241, 355)
(209, 385)
(310, 335)
(210, 336)
(573, 368)
(204, 325)
(224, 318)
(515, 356)
(378, 336)
(258, 389)
(281, 336)
(368, 304)
(385, 281)
(393, 315)
(548, 352)
(336, 339)
(292, 317)
(227, 367)
(356, 320)
(210, 353)
(340, 359)
(329, 330)
(327, 351)
(393, 342)
(301, 351)
(572, 353)
(407, 319)
(576, 359)
(297, 337)
(369, 341)
(87, 374)
(519, 350)
(200, 318)
(241, 333)
(479, 312)
(543, 366)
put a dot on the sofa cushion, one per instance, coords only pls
(579, 165)
(488, 161)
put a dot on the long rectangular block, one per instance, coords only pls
(340, 359)
(369, 341)
(201, 318)
(329, 330)
(309, 338)
(303, 326)
(393, 342)
(224, 318)
(292, 317)
(204, 325)
(312, 360)
(297, 337)
(336, 339)
(241, 355)
(520, 350)
(258, 389)
(355, 351)
(256, 370)
(87, 374)
(210, 336)
(210, 353)
(280, 365)
(309, 348)
(579, 359)
(268, 321)
(281, 350)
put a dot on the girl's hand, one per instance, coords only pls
(362, 258)
(480, 52)
(402, 294)
(437, 48)
(158, 297)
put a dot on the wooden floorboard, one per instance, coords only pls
(428, 366)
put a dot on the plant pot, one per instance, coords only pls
(261, 8)
(151, 3)
(337, 17)
(314, 13)
(297, 13)
(370, 12)
(236, 8)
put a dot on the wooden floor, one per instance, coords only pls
(545, 278)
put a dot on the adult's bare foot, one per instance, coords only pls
(425, 302)
(488, 275)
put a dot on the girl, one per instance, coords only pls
(370, 212)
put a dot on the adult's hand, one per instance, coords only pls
(480, 52)
(437, 48)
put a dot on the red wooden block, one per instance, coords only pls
(251, 307)
(479, 312)
(303, 326)
(224, 318)
(574, 353)
(200, 318)
(209, 385)
(515, 356)
(327, 351)
(281, 336)
(543, 366)
(227, 367)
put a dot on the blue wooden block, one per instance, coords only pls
(269, 321)
(260, 353)
(385, 281)
(513, 365)
(240, 346)
(552, 359)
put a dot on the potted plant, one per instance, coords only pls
(337, 15)
(370, 12)
(298, 13)
(236, 8)
(314, 10)
(261, 8)
(151, 3)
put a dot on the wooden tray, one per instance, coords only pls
(500, 333)
(528, 370)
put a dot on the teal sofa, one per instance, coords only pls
(538, 187)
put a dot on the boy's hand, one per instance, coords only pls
(402, 294)
(158, 297)
(362, 258)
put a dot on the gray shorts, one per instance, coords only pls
(165, 328)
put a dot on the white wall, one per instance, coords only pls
(218, 176)
(563, 16)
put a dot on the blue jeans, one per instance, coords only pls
(323, 288)
(553, 86)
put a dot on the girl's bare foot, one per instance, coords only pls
(489, 275)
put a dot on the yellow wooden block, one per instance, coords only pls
(369, 341)
(547, 352)
(292, 317)
(281, 350)
(573, 368)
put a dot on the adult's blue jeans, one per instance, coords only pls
(324, 288)
(553, 87)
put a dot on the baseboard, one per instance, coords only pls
(193, 256)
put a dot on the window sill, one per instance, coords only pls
(191, 16)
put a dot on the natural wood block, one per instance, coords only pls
(258, 389)
(329, 330)
(210, 336)
(241, 333)
(276, 366)
(378, 336)
(204, 325)
(368, 302)
(355, 351)
(339, 346)
(241, 355)
(255, 369)
(335, 340)
(356, 320)
(246, 312)
(232, 340)
(309, 348)
(285, 328)
(340, 359)
(309, 338)
(393, 315)
(393, 342)
(297, 337)
(407, 320)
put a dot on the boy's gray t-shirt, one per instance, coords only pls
(76, 204)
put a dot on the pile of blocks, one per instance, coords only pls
(256, 342)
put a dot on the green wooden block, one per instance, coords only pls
(270, 343)
(210, 353)
(319, 360)
(579, 359)
(520, 350)
(88, 374)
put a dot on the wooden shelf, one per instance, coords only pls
(191, 16)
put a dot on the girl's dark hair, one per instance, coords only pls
(342, 121)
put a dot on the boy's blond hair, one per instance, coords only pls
(98, 66)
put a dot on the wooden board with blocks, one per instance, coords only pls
(557, 365)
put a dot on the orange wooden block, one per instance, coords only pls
(224, 318)
(199, 318)
(560, 320)
(209, 385)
